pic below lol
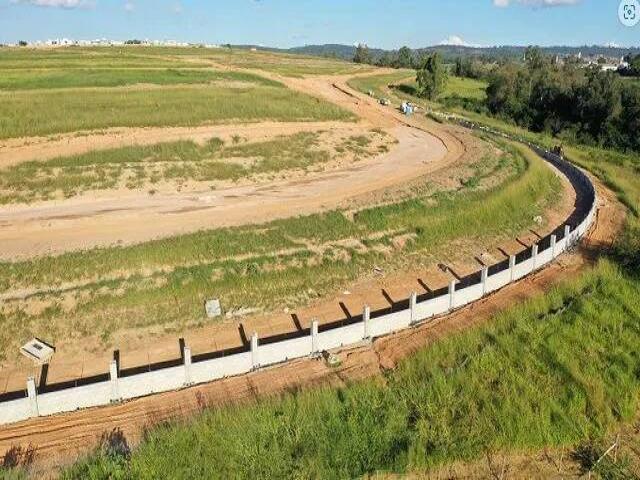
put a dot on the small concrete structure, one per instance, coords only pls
(452, 294)
(113, 378)
(37, 351)
(213, 308)
(413, 301)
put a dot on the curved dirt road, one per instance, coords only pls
(84, 222)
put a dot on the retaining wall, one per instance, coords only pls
(418, 309)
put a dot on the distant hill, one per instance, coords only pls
(347, 52)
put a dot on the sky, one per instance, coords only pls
(287, 23)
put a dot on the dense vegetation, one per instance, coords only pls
(577, 104)
(432, 77)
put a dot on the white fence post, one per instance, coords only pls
(567, 232)
(32, 394)
(413, 301)
(512, 267)
(255, 359)
(187, 366)
(485, 276)
(534, 255)
(113, 376)
(452, 294)
(314, 337)
(366, 319)
(554, 241)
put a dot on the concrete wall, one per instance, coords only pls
(180, 376)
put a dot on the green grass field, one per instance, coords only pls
(45, 113)
(163, 282)
(286, 64)
(40, 89)
(403, 86)
(556, 371)
(73, 58)
(25, 79)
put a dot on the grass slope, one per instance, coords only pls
(557, 370)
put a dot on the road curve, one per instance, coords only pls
(84, 222)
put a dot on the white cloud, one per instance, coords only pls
(457, 41)
(57, 3)
(535, 3)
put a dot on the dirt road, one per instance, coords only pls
(135, 216)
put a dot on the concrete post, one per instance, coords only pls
(366, 318)
(567, 232)
(187, 366)
(452, 294)
(534, 255)
(32, 395)
(314, 337)
(485, 276)
(512, 267)
(554, 241)
(413, 301)
(255, 360)
(113, 375)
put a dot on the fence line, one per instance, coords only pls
(418, 309)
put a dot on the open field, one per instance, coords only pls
(35, 113)
(74, 58)
(403, 85)
(46, 79)
(289, 65)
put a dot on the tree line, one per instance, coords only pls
(575, 103)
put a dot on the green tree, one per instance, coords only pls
(405, 58)
(362, 54)
(432, 77)
(534, 58)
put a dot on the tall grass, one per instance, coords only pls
(558, 370)
(41, 113)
